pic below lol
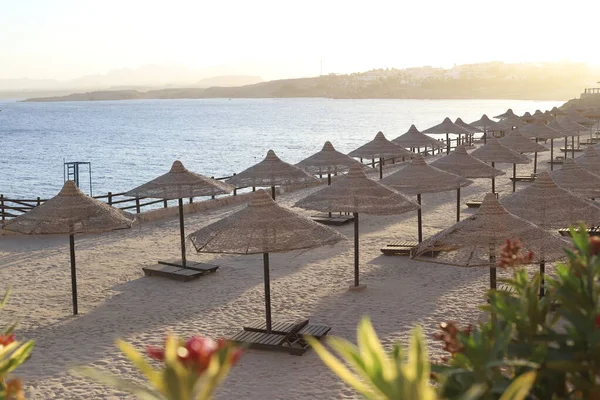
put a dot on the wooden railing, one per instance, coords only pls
(10, 208)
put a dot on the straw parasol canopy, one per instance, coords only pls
(591, 112)
(327, 161)
(570, 125)
(180, 183)
(512, 121)
(357, 194)
(271, 172)
(514, 140)
(580, 119)
(68, 213)
(380, 148)
(263, 227)
(556, 111)
(487, 125)
(590, 160)
(528, 118)
(461, 163)
(495, 152)
(468, 127)
(447, 127)
(550, 206)
(508, 113)
(418, 178)
(413, 138)
(538, 129)
(476, 240)
(576, 179)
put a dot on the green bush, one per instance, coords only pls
(528, 347)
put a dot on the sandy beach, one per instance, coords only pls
(117, 301)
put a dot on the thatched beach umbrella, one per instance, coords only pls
(508, 113)
(418, 178)
(487, 125)
(263, 227)
(447, 127)
(476, 240)
(358, 194)
(519, 143)
(528, 118)
(380, 148)
(271, 172)
(576, 179)
(539, 130)
(549, 206)
(512, 121)
(70, 212)
(590, 160)
(461, 163)
(328, 162)
(573, 128)
(557, 111)
(177, 184)
(414, 139)
(494, 152)
(580, 119)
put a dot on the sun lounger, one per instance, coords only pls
(174, 271)
(291, 342)
(474, 203)
(593, 231)
(557, 160)
(568, 150)
(283, 328)
(335, 219)
(399, 248)
(523, 178)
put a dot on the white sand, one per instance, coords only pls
(117, 301)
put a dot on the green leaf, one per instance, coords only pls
(340, 369)
(475, 392)
(142, 365)
(520, 387)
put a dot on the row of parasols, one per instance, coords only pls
(264, 227)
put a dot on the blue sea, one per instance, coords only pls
(131, 142)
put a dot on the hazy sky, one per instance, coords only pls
(64, 39)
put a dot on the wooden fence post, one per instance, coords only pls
(213, 196)
(165, 204)
(191, 200)
(110, 198)
(137, 205)
(2, 208)
(39, 201)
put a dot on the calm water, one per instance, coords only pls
(131, 142)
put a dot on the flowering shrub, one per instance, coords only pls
(191, 370)
(528, 347)
(12, 354)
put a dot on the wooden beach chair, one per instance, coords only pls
(291, 342)
(524, 178)
(557, 160)
(569, 149)
(283, 328)
(593, 231)
(173, 270)
(335, 219)
(399, 248)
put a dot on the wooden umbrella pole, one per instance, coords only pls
(447, 143)
(329, 183)
(514, 177)
(267, 292)
(458, 205)
(356, 272)
(273, 192)
(419, 219)
(380, 168)
(182, 233)
(492, 269)
(535, 159)
(493, 181)
(566, 146)
(552, 154)
(484, 136)
(572, 147)
(73, 273)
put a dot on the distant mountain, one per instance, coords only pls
(495, 80)
(146, 77)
